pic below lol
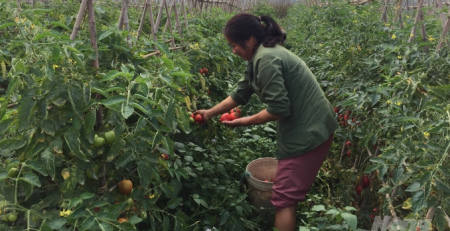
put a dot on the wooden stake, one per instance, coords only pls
(152, 24)
(172, 44)
(141, 24)
(441, 14)
(423, 32)
(158, 18)
(444, 34)
(93, 32)
(80, 14)
(416, 20)
(177, 20)
(184, 14)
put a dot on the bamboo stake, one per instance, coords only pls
(441, 14)
(423, 32)
(177, 20)
(152, 24)
(416, 20)
(158, 18)
(201, 8)
(172, 44)
(141, 24)
(80, 14)
(184, 14)
(93, 32)
(444, 34)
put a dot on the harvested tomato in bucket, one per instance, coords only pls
(260, 175)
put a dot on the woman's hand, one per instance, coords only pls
(236, 123)
(205, 114)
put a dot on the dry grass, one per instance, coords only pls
(281, 7)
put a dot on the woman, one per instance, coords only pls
(305, 119)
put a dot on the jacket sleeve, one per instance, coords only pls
(270, 80)
(243, 91)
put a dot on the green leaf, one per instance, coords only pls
(24, 113)
(174, 202)
(439, 219)
(181, 74)
(87, 195)
(224, 217)
(54, 23)
(76, 99)
(114, 74)
(3, 175)
(415, 186)
(47, 127)
(350, 219)
(74, 202)
(169, 114)
(166, 223)
(333, 211)
(87, 223)
(114, 100)
(163, 47)
(127, 110)
(105, 226)
(418, 201)
(9, 145)
(30, 178)
(89, 123)
(134, 220)
(36, 166)
(48, 159)
(168, 144)
(375, 98)
(56, 223)
(145, 172)
(115, 149)
(441, 185)
(73, 141)
(36, 149)
(7, 25)
(317, 208)
(105, 35)
(4, 125)
(156, 139)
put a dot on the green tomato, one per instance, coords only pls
(98, 141)
(35, 219)
(143, 215)
(5, 218)
(191, 120)
(13, 172)
(110, 137)
(130, 201)
(12, 217)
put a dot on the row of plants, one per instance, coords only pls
(391, 100)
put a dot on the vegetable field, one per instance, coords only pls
(98, 136)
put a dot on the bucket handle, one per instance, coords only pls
(241, 181)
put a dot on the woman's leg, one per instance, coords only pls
(285, 219)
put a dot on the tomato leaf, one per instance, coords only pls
(73, 141)
(418, 201)
(146, 172)
(54, 23)
(56, 223)
(441, 185)
(48, 159)
(38, 167)
(30, 178)
(76, 99)
(115, 149)
(9, 145)
(87, 223)
(350, 219)
(89, 122)
(4, 125)
(87, 195)
(7, 25)
(174, 202)
(127, 110)
(24, 113)
(3, 175)
(224, 217)
(134, 220)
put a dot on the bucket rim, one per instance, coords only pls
(251, 176)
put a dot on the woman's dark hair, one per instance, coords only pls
(242, 26)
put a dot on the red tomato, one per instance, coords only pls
(353, 120)
(365, 181)
(165, 156)
(205, 70)
(341, 116)
(192, 115)
(349, 153)
(348, 143)
(198, 118)
(336, 109)
(201, 71)
(236, 110)
(225, 117)
(209, 92)
(96, 209)
(233, 116)
(346, 117)
(358, 190)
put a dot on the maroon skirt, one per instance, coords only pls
(295, 176)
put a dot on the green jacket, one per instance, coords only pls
(284, 82)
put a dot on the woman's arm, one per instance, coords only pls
(260, 118)
(225, 106)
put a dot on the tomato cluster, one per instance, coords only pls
(203, 70)
(196, 118)
(234, 113)
(365, 182)
(108, 138)
(345, 117)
